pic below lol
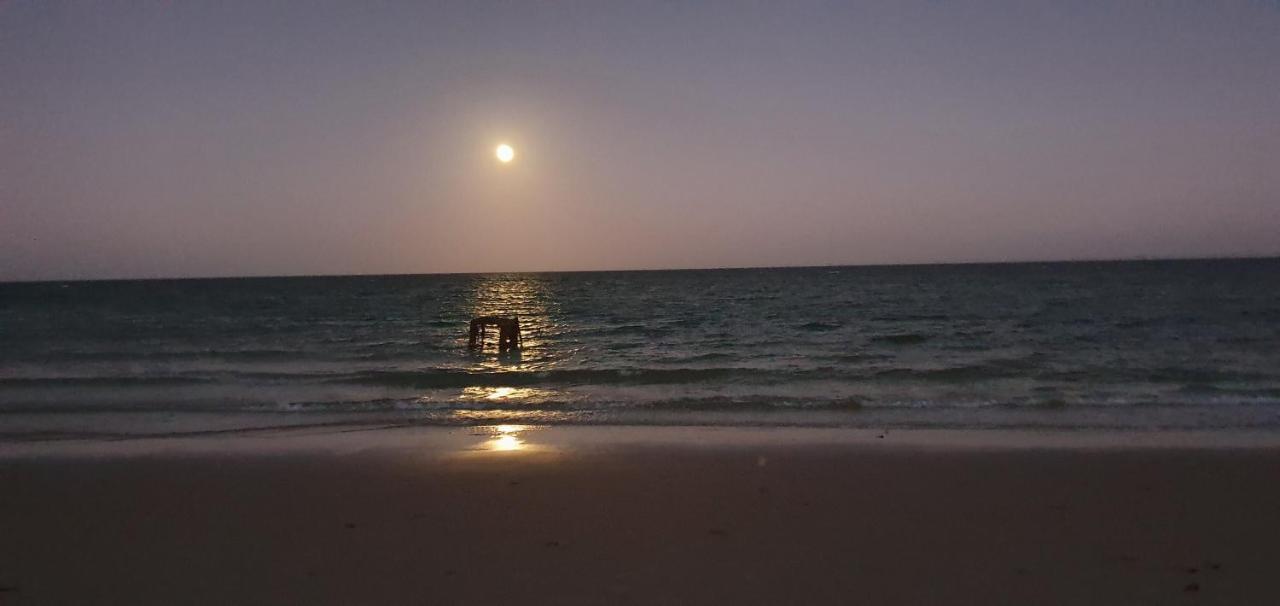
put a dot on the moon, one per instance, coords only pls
(505, 153)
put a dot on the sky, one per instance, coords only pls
(182, 139)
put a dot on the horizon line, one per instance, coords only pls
(1137, 259)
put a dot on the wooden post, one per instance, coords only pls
(509, 337)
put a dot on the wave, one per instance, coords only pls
(997, 368)
(1161, 375)
(569, 410)
(911, 318)
(818, 326)
(850, 369)
(106, 381)
(440, 378)
(376, 351)
(901, 339)
(151, 356)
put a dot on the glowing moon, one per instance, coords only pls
(505, 153)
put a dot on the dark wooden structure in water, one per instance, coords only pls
(508, 332)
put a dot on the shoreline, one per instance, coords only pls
(452, 440)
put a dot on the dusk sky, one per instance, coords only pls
(158, 139)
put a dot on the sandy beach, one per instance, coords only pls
(618, 516)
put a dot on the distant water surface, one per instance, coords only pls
(1168, 344)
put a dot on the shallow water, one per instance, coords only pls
(1170, 344)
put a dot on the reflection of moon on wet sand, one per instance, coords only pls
(505, 438)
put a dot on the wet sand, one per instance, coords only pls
(599, 516)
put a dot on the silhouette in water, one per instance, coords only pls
(508, 332)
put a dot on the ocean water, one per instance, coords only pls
(1161, 344)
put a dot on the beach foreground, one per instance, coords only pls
(600, 515)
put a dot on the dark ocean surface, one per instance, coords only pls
(1150, 345)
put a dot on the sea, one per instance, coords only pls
(1135, 345)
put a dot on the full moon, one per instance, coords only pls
(505, 153)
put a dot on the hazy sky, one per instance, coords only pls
(147, 139)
